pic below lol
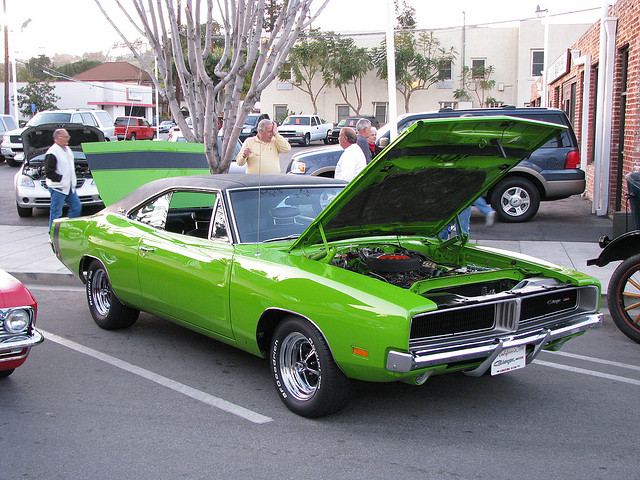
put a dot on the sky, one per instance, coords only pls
(77, 26)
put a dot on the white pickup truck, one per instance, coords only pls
(304, 129)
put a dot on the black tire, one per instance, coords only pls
(6, 373)
(327, 140)
(133, 136)
(105, 308)
(24, 212)
(11, 162)
(306, 377)
(515, 200)
(623, 297)
(306, 140)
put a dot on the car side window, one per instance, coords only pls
(88, 119)
(76, 118)
(155, 212)
(190, 213)
(406, 125)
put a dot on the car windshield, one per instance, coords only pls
(49, 117)
(297, 121)
(278, 213)
(251, 120)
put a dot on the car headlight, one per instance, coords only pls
(298, 167)
(246, 130)
(26, 181)
(16, 320)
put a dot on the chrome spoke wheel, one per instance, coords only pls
(299, 366)
(101, 292)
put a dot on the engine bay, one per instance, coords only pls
(447, 279)
(35, 170)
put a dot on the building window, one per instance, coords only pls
(280, 112)
(343, 112)
(447, 70)
(478, 67)
(380, 112)
(537, 63)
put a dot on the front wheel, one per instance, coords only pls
(623, 297)
(306, 140)
(107, 311)
(11, 162)
(306, 377)
(515, 200)
(6, 373)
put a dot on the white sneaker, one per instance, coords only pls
(491, 218)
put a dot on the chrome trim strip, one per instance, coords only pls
(406, 362)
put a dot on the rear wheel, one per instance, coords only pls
(623, 297)
(107, 311)
(24, 212)
(515, 200)
(306, 140)
(133, 136)
(306, 377)
(327, 140)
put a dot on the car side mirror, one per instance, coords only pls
(384, 141)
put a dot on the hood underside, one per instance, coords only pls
(37, 140)
(427, 176)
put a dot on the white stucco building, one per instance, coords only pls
(516, 54)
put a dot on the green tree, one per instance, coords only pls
(308, 65)
(476, 83)
(74, 68)
(39, 94)
(348, 66)
(420, 62)
(37, 68)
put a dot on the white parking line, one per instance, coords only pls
(584, 371)
(160, 380)
(595, 360)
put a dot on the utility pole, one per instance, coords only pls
(6, 59)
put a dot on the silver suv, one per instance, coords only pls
(12, 148)
(7, 123)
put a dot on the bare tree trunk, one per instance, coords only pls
(246, 46)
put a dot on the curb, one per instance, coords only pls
(53, 279)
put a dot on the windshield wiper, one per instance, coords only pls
(278, 239)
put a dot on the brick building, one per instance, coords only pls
(599, 90)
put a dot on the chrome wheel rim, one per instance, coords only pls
(299, 366)
(629, 298)
(101, 292)
(515, 201)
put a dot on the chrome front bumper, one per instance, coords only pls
(540, 338)
(19, 342)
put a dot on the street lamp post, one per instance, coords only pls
(545, 81)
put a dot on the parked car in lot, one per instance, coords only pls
(250, 127)
(134, 128)
(165, 126)
(331, 281)
(349, 122)
(304, 129)
(18, 332)
(552, 172)
(7, 123)
(30, 182)
(13, 150)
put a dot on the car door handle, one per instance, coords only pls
(144, 250)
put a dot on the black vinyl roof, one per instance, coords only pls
(222, 182)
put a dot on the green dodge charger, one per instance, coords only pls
(331, 281)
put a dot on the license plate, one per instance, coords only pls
(509, 359)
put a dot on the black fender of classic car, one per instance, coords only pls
(620, 248)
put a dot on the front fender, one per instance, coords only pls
(620, 248)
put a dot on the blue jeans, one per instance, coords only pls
(58, 199)
(465, 217)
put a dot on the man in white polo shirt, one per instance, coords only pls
(352, 160)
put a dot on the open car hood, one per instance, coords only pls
(427, 176)
(36, 140)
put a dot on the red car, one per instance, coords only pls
(18, 311)
(134, 128)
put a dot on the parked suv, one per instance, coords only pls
(7, 123)
(550, 173)
(250, 127)
(12, 148)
